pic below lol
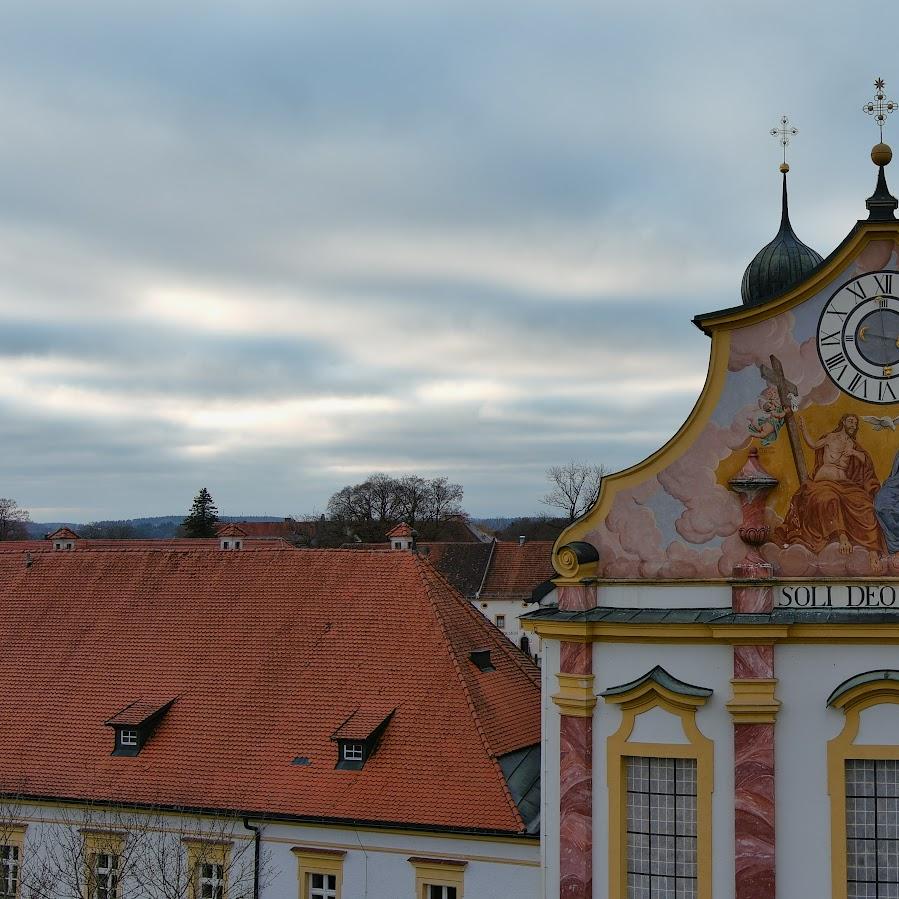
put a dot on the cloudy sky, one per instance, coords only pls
(270, 247)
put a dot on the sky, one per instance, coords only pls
(271, 247)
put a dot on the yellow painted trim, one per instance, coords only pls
(719, 331)
(841, 748)
(206, 852)
(753, 701)
(614, 483)
(575, 696)
(434, 872)
(624, 632)
(13, 834)
(619, 747)
(98, 841)
(318, 861)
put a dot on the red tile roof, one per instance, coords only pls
(516, 569)
(63, 534)
(140, 710)
(231, 530)
(401, 530)
(288, 528)
(363, 723)
(173, 543)
(268, 653)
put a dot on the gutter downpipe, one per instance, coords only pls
(257, 836)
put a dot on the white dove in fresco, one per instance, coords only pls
(881, 422)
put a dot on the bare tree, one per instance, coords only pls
(132, 854)
(13, 520)
(574, 487)
(444, 500)
(413, 493)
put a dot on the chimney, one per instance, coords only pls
(521, 539)
(29, 560)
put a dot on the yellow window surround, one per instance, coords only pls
(315, 860)
(13, 834)
(98, 841)
(644, 695)
(206, 852)
(438, 872)
(852, 697)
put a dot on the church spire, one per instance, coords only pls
(881, 204)
(786, 260)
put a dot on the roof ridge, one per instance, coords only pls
(426, 570)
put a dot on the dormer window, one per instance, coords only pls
(135, 724)
(353, 752)
(232, 544)
(63, 539)
(231, 537)
(358, 737)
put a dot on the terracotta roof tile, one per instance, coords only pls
(516, 569)
(140, 710)
(269, 652)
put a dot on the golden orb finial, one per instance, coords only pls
(785, 167)
(881, 154)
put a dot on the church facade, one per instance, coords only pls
(720, 659)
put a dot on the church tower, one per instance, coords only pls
(721, 649)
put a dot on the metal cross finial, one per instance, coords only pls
(880, 107)
(784, 133)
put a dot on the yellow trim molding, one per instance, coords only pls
(625, 632)
(753, 701)
(314, 860)
(841, 748)
(619, 747)
(575, 696)
(98, 841)
(719, 331)
(437, 872)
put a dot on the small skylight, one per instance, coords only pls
(358, 737)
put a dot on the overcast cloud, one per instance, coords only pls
(271, 247)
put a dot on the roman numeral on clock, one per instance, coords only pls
(884, 283)
(831, 339)
(882, 388)
(834, 361)
(857, 290)
(858, 379)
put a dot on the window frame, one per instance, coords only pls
(96, 843)
(438, 872)
(500, 620)
(841, 749)
(316, 860)
(356, 747)
(13, 836)
(643, 698)
(207, 852)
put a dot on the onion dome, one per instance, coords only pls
(780, 264)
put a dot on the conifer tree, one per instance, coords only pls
(203, 516)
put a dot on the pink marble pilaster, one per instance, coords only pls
(577, 598)
(754, 786)
(576, 819)
(576, 782)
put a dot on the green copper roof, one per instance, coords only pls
(869, 677)
(779, 265)
(661, 677)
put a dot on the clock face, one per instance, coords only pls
(858, 337)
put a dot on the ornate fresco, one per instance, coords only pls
(810, 385)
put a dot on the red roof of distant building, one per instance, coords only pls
(231, 530)
(401, 530)
(172, 543)
(516, 569)
(268, 654)
(287, 528)
(63, 534)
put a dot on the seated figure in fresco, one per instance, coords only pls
(836, 503)
(886, 505)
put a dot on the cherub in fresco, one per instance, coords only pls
(836, 503)
(766, 427)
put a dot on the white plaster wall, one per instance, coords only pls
(657, 596)
(806, 677)
(705, 666)
(513, 610)
(549, 781)
(375, 866)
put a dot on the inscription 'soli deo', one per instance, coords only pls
(838, 596)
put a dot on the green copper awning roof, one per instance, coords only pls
(660, 676)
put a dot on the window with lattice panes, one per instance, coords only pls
(872, 829)
(321, 886)
(661, 828)
(9, 871)
(104, 876)
(432, 891)
(210, 881)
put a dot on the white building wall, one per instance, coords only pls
(704, 666)
(511, 610)
(375, 865)
(806, 677)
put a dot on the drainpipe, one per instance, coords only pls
(256, 847)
